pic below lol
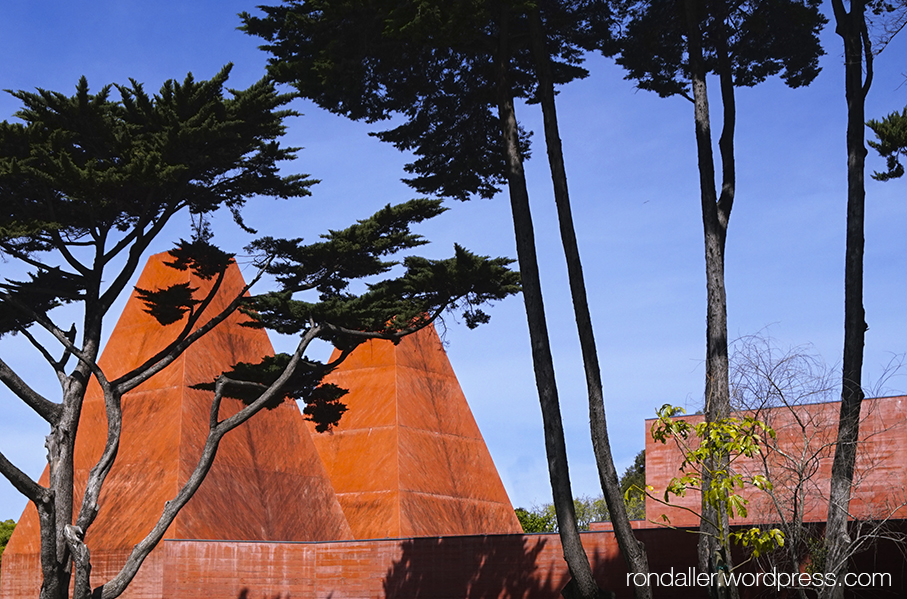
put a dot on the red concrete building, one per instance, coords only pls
(407, 458)
(401, 500)
(799, 458)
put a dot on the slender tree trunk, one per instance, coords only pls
(582, 583)
(631, 549)
(852, 29)
(715, 216)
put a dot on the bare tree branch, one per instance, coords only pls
(23, 483)
(175, 349)
(61, 246)
(64, 338)
(98, 474)
(216, 430)
(132, 263)
(55, 364)
(45, 408)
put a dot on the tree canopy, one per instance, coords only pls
(750, 40)
(86, 172)
(891, 133)
(431, 62)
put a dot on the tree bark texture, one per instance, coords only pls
(582, 584)
(851, 26)
(715, 217)
(57, 513)
(632, 550)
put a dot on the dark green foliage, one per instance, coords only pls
(88, 170)
(355, 252)
(760, 38)
(203, 259)
(432, 62)
(537, 520)
(266, 372)
(323, 406)
(45, 290)
(6, 531)
(633, 485)
(170, 304)
(92, 161)
(892, 143)
(387, 307)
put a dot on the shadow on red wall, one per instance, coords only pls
(490, 567)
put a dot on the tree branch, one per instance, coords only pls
(216, 431)
(23, 483)
(135, 255)
(387, 336)
(81, 557)
(175, 349)
(46, 354)
(70, 259)
(61, 336)
(23, 257)
(89, 508)
(45, 408)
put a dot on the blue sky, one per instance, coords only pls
(632, 168)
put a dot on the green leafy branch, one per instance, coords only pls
(709, 451)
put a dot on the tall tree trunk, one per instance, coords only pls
(56, 563)
(632, 550)
(582, 583)
(52, 576)
(715, 216)
(852, 29)
(56, 514)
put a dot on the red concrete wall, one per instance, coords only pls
(804, 443)
(484, 566)
(459, 567)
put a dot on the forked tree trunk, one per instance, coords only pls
(57, 513)
(851, 26)
(715, 216)
(631, 549)
(582, 584)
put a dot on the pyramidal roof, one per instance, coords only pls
(407, 458)
(267, 481)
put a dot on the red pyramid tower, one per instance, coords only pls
(267, 481)
(407, 458)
